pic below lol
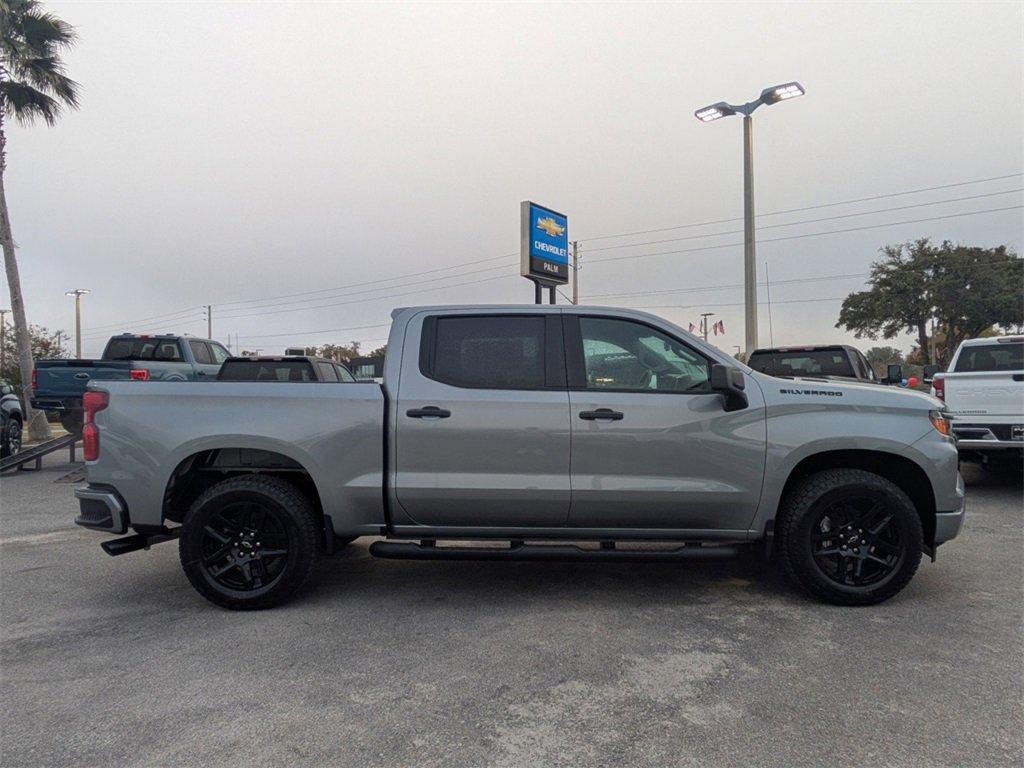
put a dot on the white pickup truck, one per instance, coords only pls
(984, 391)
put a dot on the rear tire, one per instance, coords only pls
(849, 536)
(249, 542)
(10, 441)
(72, 422)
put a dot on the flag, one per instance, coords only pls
(720, 327)
(714, 328)
(692, 327)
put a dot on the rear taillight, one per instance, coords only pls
(35, 379)
(138, 374)
(93, 402)
(939, 385)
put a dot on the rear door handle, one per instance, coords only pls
(428, 412)
(602, 414)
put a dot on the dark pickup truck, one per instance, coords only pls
(58, 385)
(822, 361)
(291, 368)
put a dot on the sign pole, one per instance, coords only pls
(537, 294)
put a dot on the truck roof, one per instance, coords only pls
(993, 339)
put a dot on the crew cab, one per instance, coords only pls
(568, 433)
(984, 391)
(819, 361)
(58, 385)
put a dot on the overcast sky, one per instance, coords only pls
(227, 152)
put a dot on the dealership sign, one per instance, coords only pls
(544, 244)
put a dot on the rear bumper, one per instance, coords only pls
(948, 523)
(101, 509)
(44, 403)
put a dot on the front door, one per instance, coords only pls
(482, 422)
(652, 446)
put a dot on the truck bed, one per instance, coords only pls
(335, 432)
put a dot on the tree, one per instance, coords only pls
(898, 299)
(379, 351)
(33, 86)
(340, 352)
(43, 344)
(962, 291)
(884, 355)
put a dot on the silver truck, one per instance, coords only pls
(526, 433)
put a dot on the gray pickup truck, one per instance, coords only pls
(526, 433)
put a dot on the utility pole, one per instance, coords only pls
(209, 321)
(704, 323)
(768, 290)
(3, 341)
(78, 293)
(575, 272)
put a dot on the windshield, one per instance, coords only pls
(991, 357)
(142, 349)
(803, 363)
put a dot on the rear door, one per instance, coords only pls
(482, 432)
(205, 367)
(652, 446)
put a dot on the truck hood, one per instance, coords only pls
(804, 389)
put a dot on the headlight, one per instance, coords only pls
(941, 423)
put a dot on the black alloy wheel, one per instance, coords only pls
(855, 541)
(245, 546)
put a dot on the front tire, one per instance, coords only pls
(849, 536)
(249, 542)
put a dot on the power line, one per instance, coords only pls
(354, 293)
(808, 207)
(810, 234)
(700, 289)
(144, 319)
(322, 330)
(368, 282)
(809, 221)
(733, 303)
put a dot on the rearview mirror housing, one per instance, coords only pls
(929, 372)
(729, 382)
(893, 373)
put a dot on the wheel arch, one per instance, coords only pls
(202, 469)
(903, 472)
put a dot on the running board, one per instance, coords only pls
(551, 552)
(138, 541)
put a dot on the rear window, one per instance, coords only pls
(802, 363)
(266, 370)
(991, 357)
(498, 352)
(143, 349)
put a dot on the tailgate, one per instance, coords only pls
(68, 378)
(987, 393)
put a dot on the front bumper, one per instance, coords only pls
(101, 509)
(949, 522)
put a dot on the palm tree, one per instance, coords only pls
(33, 86)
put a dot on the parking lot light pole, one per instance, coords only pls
(78, 293)
(722, 109)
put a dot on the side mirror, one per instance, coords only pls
(929, 372)
(893, 373)
(728, 382)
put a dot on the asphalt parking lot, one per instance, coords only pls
(117, 662)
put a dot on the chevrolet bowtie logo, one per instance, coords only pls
(550, 226)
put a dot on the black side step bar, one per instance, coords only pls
(138, 541)
(551, 552)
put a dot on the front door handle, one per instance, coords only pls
(428, 412)
(602, 414)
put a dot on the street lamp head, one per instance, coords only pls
(77, 292)
(783, 92)
(714, 112)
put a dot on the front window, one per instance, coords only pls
(627, 356)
